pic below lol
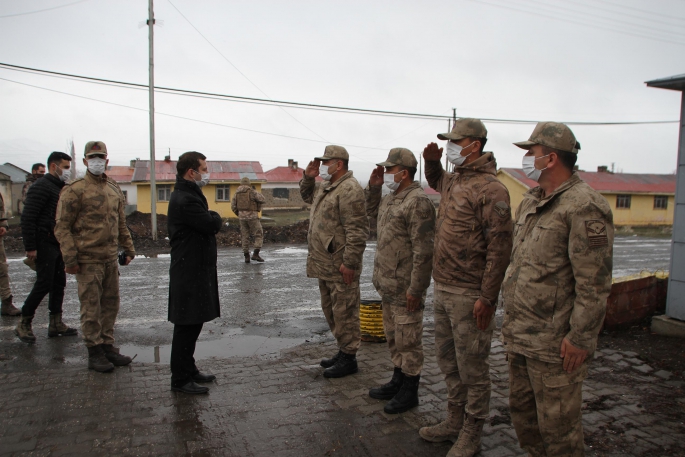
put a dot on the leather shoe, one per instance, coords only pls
(190, 388)
(199, 377)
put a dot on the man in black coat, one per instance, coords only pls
(37, 231)
(193, 284)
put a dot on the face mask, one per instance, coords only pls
(453, 152)
(66, 174)
(389, 181)
(528, 165)
(204, 179)
(96, 166)
(323, 172)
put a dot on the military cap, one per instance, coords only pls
(95, 147)
(465, 127)
(334, 152)
(245, 181)
(554, 135)
(399, 156)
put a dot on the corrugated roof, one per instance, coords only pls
(613, 182)
(218, 170)
(120, 173)
(15, 173)
(286, 174)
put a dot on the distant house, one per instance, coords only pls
(224, 180)
(123, 175)
(12, 195)
(635, 199)
(282, 189)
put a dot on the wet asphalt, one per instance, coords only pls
(265, 307)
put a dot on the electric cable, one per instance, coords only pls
(43, 10)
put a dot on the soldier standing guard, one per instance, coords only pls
(247, 203)
(90, 226)
(401, 271)
(338, 229)
(555, 294)
(472, 251)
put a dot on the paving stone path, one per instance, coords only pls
(285, 407)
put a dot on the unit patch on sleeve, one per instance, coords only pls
(503, 209)
(596, 233)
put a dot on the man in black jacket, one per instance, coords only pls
(37, 230)
(193, 284)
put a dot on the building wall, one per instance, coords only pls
(6, 191)
(294, 199)
(209, 191)
(16, 196)
(641, 211)
(515, 188)
(131, 193)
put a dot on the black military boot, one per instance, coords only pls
(112, 354)
(8, 309)
(346, 364)
(57, 327)
(327, 363)
(255, 256)
(407, 398)
(247, 256)
(97, 360)
(389, 390)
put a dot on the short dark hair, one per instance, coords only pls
(345, 163)
(189, 161)
(57, 157)
(567, 159)
(36, 166)
(482, 143)
(411, 170)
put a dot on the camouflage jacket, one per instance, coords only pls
(90, 221)
(2, 213)
(255, 196)
(30, 179)
(560, 274)
(404, 251)
(473, 232)
(338, 226)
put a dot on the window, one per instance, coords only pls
(281, 192)
(660, 201)
(623, 202)
(125, 192)
(163, 192)
(223, 193)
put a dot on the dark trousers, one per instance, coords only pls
(51, 280)
(182, 349)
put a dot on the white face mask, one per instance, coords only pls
(96, 166)
(204, 179)
(389, 181)
(66, 174)
(453, 152)
(323, 172)
(528, 165)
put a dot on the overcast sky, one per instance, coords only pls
(572, 60)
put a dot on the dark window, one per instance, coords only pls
(125, 192)
(163, 192)
(660, 201)
(223, 193)
(622, 201)
(281, 192)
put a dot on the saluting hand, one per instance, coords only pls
(376, 178)
(312, 170)
(432, 153)
(573, 356)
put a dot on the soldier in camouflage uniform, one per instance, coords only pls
(247, 203)
(7, 307)
(90, 226)
(338, 229)
(402, 271)
(472, 250)
(555, 294)
(37, 172)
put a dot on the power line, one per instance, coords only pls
(318, 107)
(43, 10)
(636, 16)
(642, 11)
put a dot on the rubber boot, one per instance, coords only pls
(97, 360)
(247, 256)
(255, 256)
(447, 430)
(468, 443)
(345, 365)
(57, 327)
(389, 390)
(24, 330)
(407, 398)
(8, 309)
(327, 363)
(112, 354)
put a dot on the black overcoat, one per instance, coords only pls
(193, 284)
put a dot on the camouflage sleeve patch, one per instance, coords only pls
(596, 233)
(503, 209)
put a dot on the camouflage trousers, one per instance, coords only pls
(340, 305)
(251, 227)
(98, 292)
(404, 332)
(545, 404)
(463, 351)
(5, 290)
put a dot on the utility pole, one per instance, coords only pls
(151, 90)
(449, 129)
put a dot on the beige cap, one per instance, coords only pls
(95, 147)
(245, 181)
(465, 127)
(400, 156)
(554, 135)
(334, 152)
